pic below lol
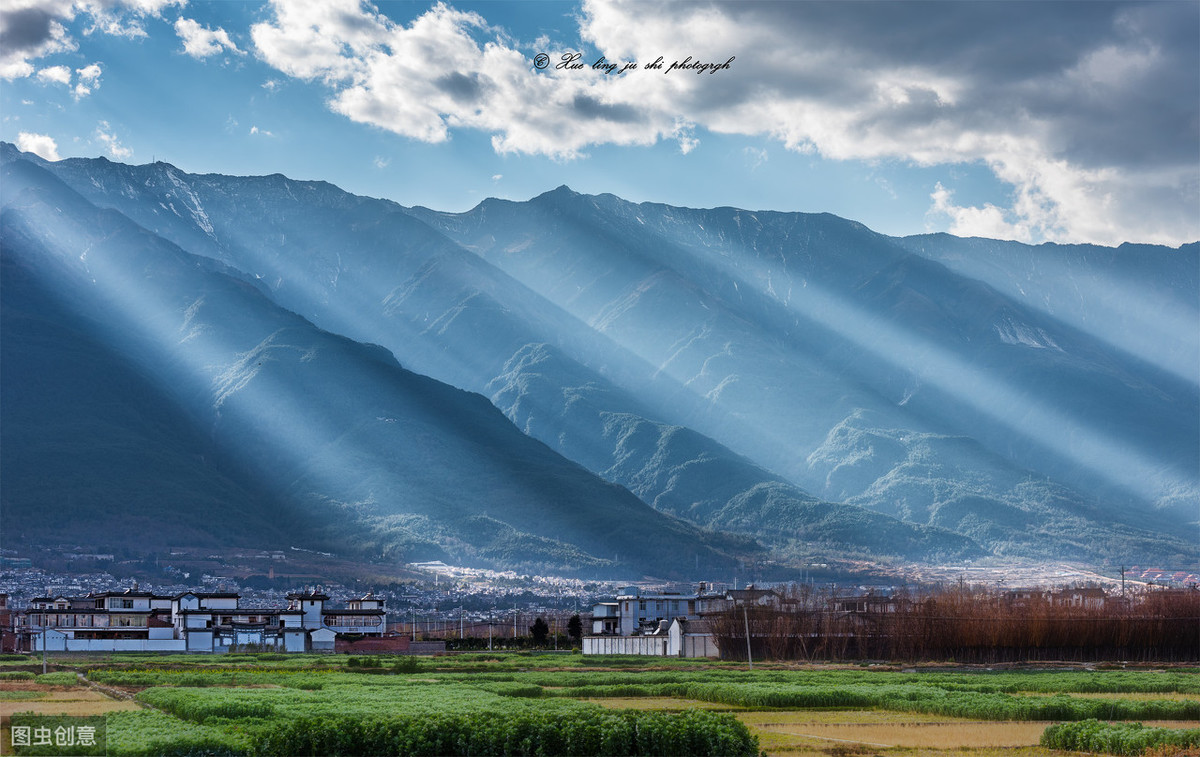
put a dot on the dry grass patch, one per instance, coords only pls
(916, 735)
(794, 717)
(62, 700)
(74, 695)
(77, 706)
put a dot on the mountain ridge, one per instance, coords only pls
(683, 350)
(249, 372)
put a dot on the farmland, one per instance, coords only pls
(567, 704)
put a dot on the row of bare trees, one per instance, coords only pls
(965, 626)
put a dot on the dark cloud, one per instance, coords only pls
(989, 39)
(589, 107)
(1112, 83)
(25, 29)
(462, 87)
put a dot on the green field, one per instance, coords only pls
(517, 704)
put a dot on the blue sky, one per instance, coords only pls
(1035, 121)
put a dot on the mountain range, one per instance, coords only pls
(579, 383)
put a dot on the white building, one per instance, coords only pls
(194, 622)
(665, 623)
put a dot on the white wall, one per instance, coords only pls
(655, 646)
(63, 644)
(200, 641)
(294, 642)
(699, 645)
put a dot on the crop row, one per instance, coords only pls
(579, 730)
(1113, 681)
(596, 732)
(145, 733)
(201, 678)
(252, 708)
(1116, 738)
(985, 683)
(928, 700)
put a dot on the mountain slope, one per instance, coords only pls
(723, 364)
(368, 269)
(791, 328)
(380, 461)
(61, 468)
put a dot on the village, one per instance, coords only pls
(463, 609)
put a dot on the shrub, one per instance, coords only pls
(1116, 738)
(406, 664)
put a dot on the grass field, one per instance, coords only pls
(506, 703)
(849, 732)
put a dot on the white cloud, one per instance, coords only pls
(39, 144)
(381, 162)
(89, 80)
(263, 132)
(123, 18)
(988, 221)
(755, 156)
(449, 69)
(270, 85)
(200, 42)
(497, 177)
(1092, 123)
(34, 29)
(113, 145)
(57, 74)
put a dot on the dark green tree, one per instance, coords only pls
(539, 630)
(575, 627)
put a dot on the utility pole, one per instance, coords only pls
(414, 623)
(746, 617)
(1122, 582)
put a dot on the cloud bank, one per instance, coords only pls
(1088, 110)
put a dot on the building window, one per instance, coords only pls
(128, 621)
